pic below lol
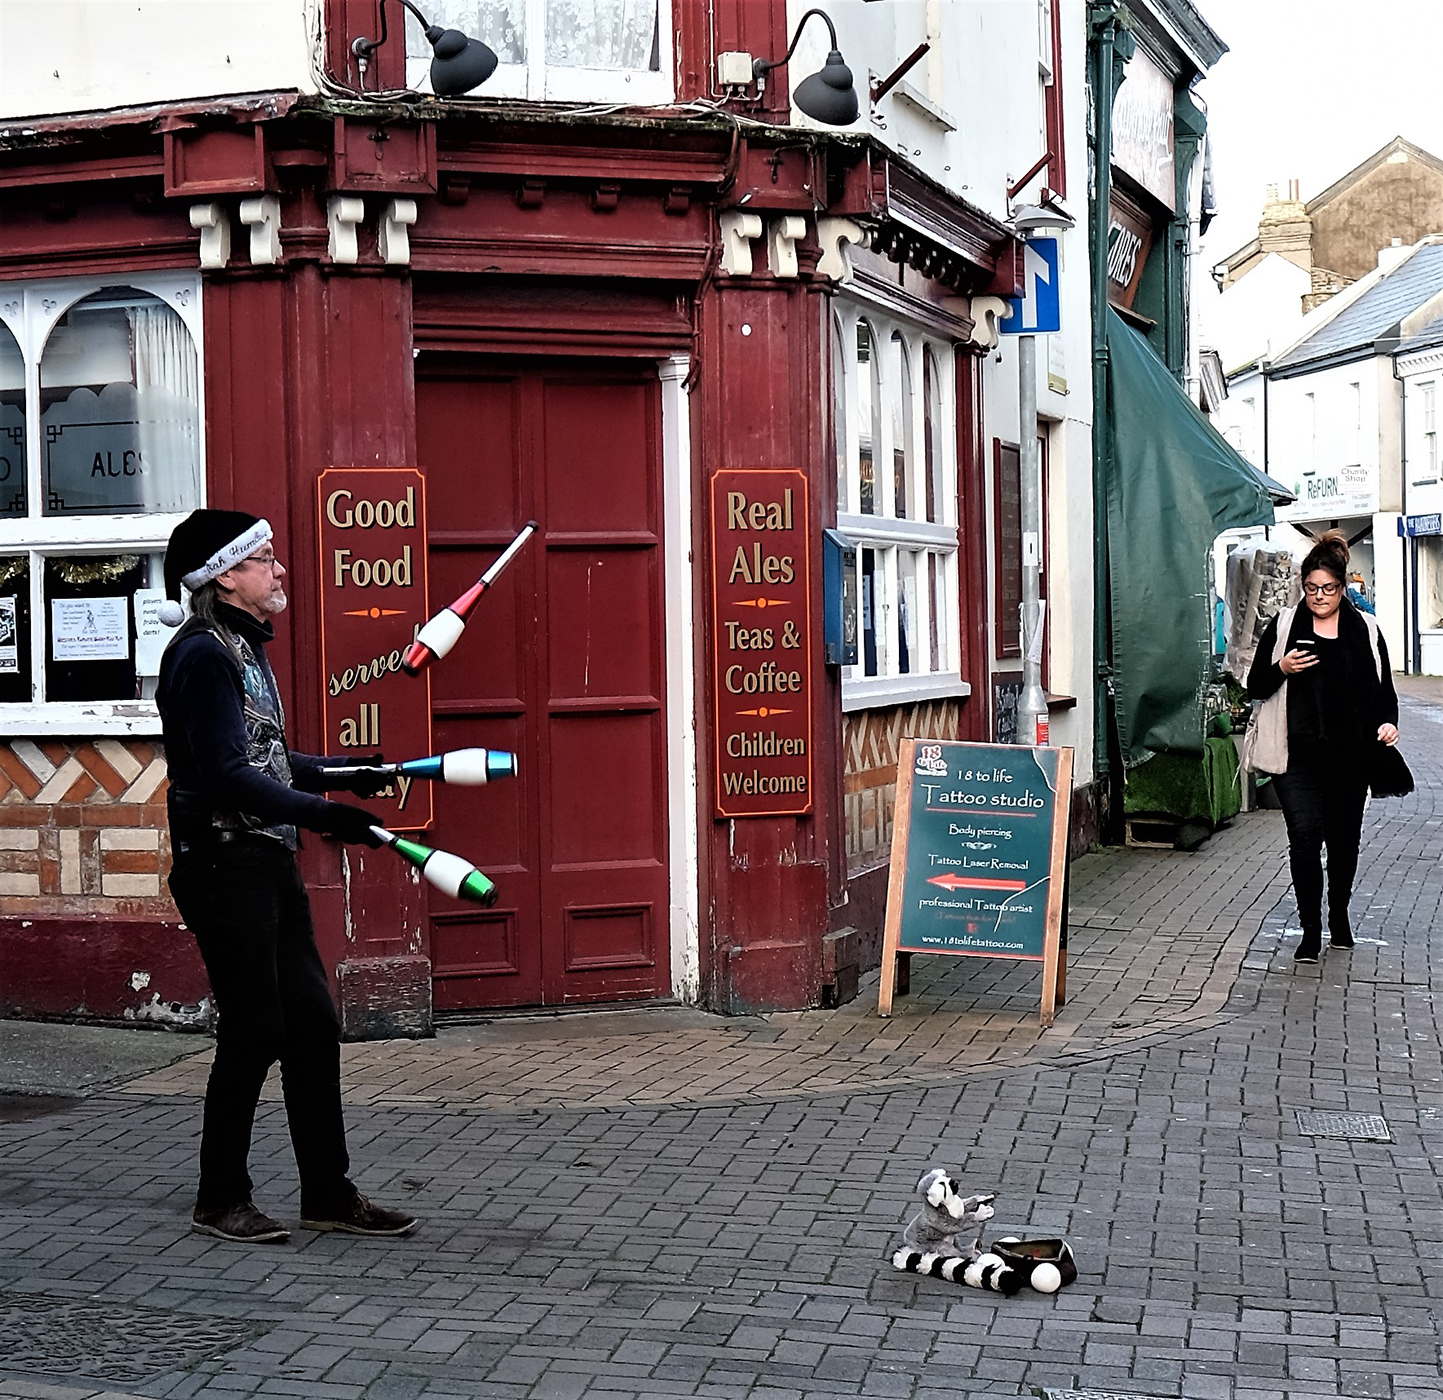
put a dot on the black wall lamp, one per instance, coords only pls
(827, 96)
(459, 65)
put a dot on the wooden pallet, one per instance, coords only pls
(1154, 833)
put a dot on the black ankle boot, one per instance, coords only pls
(1309, 948)
(1340, 931)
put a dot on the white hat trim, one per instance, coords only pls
(229, 556)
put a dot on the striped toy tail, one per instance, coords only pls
(913, 1261)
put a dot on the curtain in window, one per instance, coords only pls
(500, 24)
(167, 392)
(601, 33)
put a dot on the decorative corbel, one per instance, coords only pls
(985, 313)
(393, 241)
(344, 213)
(835, 234)
(737, 230)
(214, 225)
(782, 235)
(263, 214)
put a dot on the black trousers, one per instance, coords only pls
(1323, 806)
(246, 905)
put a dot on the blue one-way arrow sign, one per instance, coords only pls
(1038, 311)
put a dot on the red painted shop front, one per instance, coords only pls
(562, 343)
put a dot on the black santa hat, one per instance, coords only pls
(203, 546)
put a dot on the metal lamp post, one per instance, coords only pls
(1029, 318)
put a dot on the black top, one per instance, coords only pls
(202, 714)
(1337, 705)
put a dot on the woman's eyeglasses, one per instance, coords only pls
(1321, 590)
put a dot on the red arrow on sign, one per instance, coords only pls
(961, 882)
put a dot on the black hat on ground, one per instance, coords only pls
(203, 546)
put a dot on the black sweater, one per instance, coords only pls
(202, 713)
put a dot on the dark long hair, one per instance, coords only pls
(1329, 553)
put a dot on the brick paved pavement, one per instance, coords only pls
(597, 1231)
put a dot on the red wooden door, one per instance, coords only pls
(563, 664)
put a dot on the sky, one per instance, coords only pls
(1308, 90)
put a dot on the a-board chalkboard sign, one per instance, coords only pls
(979, 850)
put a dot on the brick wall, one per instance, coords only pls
(83, 829)
(871, 740)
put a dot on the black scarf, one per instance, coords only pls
(1356, 706)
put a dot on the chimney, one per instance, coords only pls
(1286, 228)
(1392, 255)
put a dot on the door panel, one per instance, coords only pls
(578, 843)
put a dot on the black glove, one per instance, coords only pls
(368, 784)
(353, 824)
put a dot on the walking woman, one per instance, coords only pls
(1330, 707)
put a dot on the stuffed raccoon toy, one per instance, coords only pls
(936, 1243)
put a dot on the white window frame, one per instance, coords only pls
(30, 311)
(884, 533)
(537, 81)
(1429, 390)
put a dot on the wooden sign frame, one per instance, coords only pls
(1054, 973)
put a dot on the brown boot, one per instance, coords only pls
(241, 1223)
(358, 1216)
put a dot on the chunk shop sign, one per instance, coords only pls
(372, 540)
(762, 642)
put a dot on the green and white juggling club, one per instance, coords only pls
(464, 767)
(450, 874)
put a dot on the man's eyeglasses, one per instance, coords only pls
(266, 560)
(1321, 590)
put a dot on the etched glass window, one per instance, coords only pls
(120, 409)
(101, 453)
(12, 425)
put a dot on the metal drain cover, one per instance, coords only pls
(1362, 1127)
(109, 1341)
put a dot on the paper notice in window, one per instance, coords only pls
(9, 638)
(151, 634)
(89, 629)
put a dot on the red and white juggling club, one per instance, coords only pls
(463, 767)
(444, 630)
(450, 874)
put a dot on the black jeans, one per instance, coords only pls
(1323, 806)
(246, 905)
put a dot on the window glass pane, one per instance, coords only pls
(120, 409)
(499, 24)
(839, 411)
(907, 611)
(931, 444)
(901, 429)
(870, 602)
(869, 401)
(12, 425)
(934, 596)
(1009, 550)
(90, 651)
(603, 34)
(14, 628)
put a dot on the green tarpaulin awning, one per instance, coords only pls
(1173, 485)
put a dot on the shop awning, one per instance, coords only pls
(1174, 485)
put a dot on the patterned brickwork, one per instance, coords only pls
(82, 828)
(871, 740)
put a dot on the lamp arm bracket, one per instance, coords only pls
(1015, 189)
(882, 86)
(363, 48)
(762, 66)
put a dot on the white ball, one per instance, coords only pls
(989, 1261)
(1046, 1278)
(170, 613)
(1010, 1239)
